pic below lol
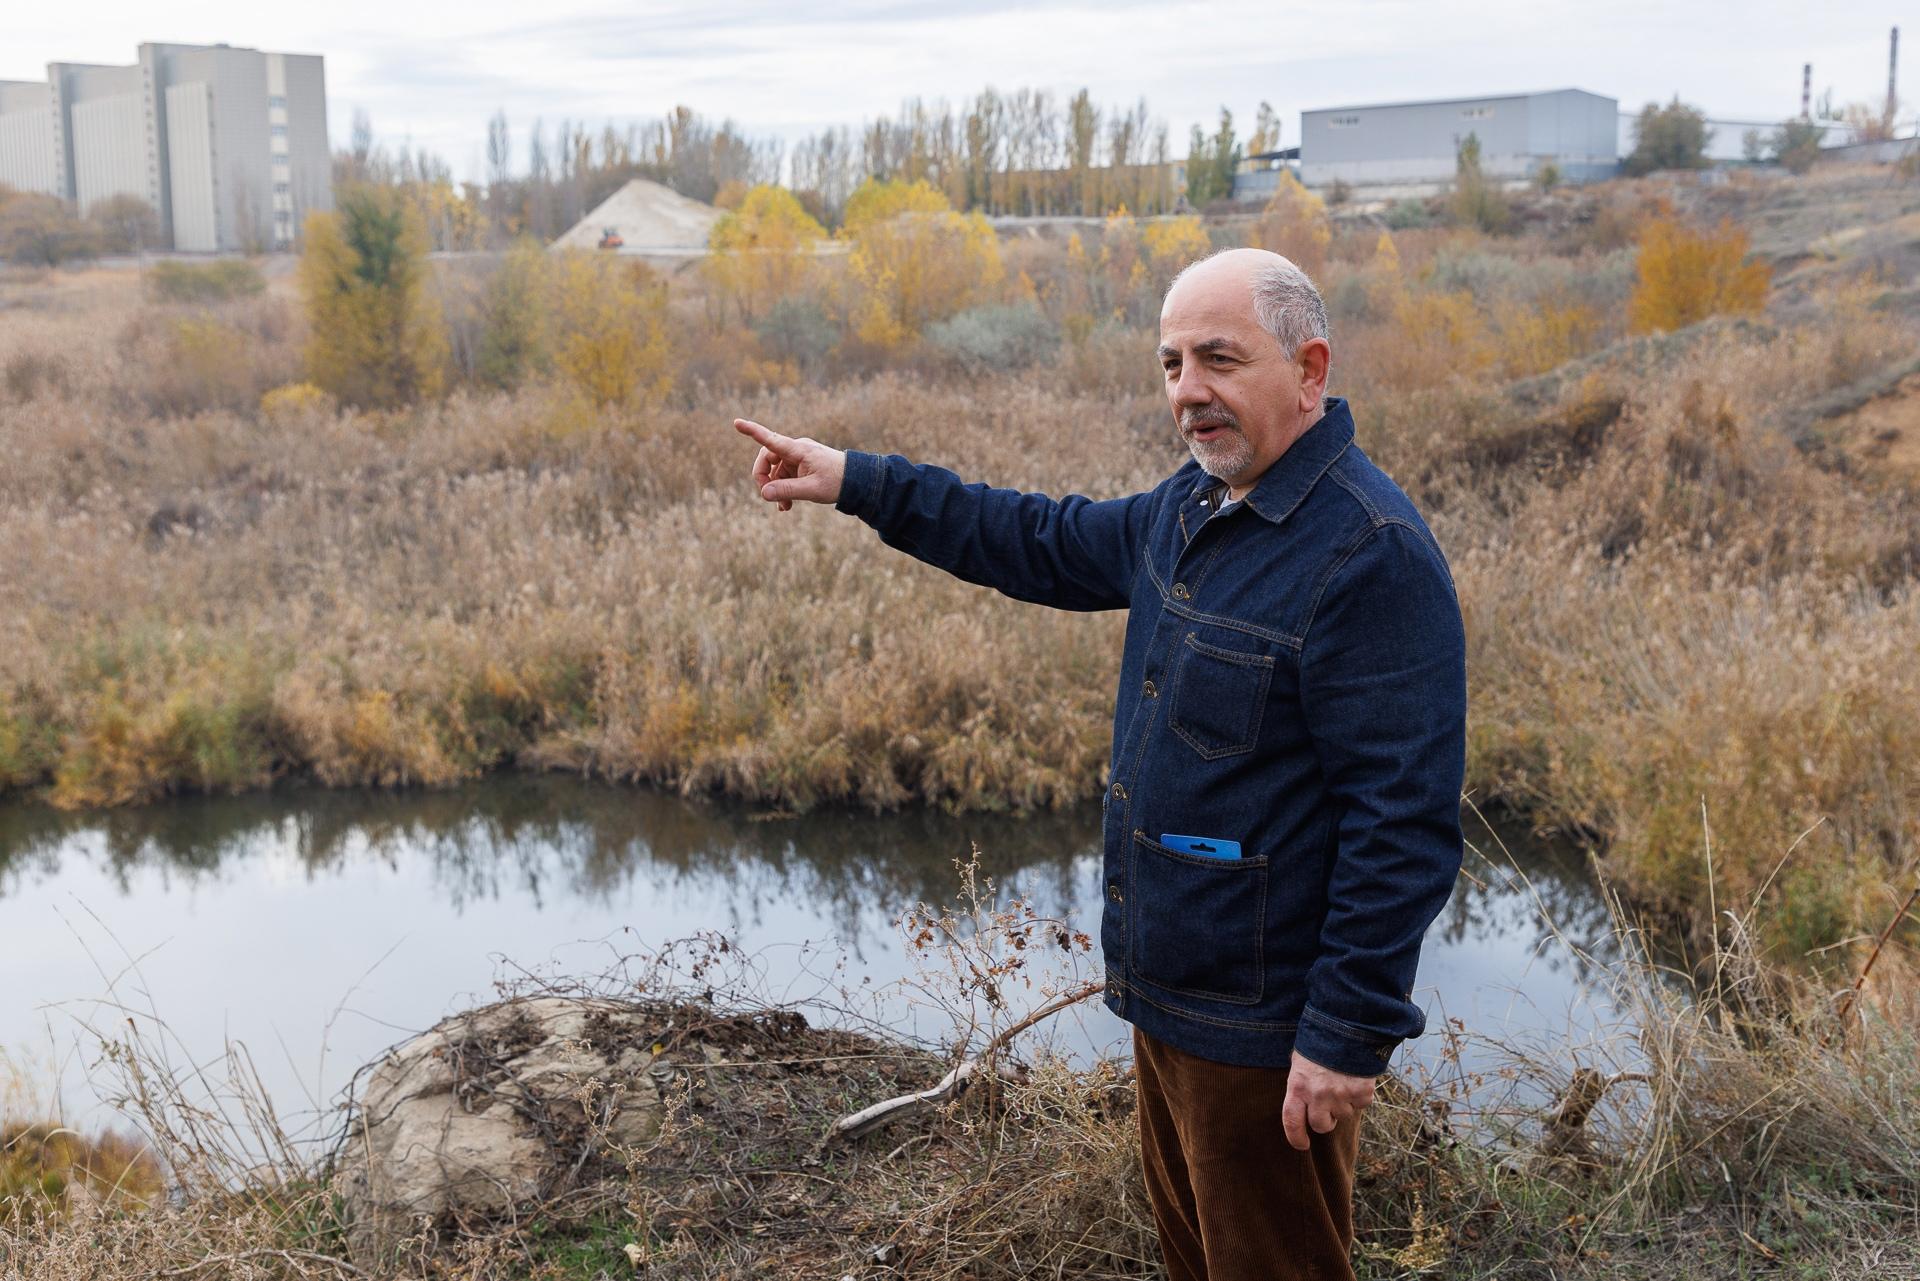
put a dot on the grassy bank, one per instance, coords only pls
(1752, 1130)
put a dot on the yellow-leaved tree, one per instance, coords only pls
(914, 259)
(1686, 275)
(609, 327)
(376, 337)
(1294, 223)
(1123, 283)
(760, 252)
(1170, 244)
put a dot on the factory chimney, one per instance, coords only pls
(1893, 67)
(1806, 91)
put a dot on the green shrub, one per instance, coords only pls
(1408, 214)
(221, 280)
(996, 338)
(1795, 144)
(1476, 200)
(797, 329)
(1671, 137)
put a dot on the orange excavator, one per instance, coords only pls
(610, 238)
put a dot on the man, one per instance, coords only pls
(1282, 815)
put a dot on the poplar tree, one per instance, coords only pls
(376, 337)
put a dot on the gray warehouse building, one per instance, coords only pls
(1412, 145)
(228, 146)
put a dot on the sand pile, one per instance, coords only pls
(650, 218)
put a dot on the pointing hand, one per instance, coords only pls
(789, 470)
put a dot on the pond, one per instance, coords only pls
(317, 928)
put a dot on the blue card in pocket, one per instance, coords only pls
(1206, 846)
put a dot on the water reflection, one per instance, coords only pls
(537, 838)
(255, 918)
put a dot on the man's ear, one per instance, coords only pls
(1314, 359)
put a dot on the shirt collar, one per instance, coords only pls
(1283, 485)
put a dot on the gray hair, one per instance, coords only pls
(1285, 302)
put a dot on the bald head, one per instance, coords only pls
(1281, 297)
(1229, 269)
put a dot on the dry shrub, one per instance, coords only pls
(1295, 224)
(48, 1169)
(296, 400)
(609, 329)
(1433, 339)
(173, 362)
(30, 374)
(1686, 275)
(914, 260)
(759, 252)
(155, 712)
(1534, 340)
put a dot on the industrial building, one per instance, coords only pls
(1412, 146)
(228, 146)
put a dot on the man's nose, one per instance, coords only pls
(1191, 387)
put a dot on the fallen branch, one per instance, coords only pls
(871, 1118)
(1566, 1130)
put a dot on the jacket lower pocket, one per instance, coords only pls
(1199, 924)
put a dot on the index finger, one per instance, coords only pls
(765, 435)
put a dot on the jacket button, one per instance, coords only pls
(1119, 792)
(1149, 690)
(1180, 591)
(1113, 892)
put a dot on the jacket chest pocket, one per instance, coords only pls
(1218, 697)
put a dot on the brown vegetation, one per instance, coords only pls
(222, 580)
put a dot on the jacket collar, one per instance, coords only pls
(1285, 484)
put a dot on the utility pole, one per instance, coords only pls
(1806, 91)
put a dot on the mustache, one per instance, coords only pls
(1208, 416)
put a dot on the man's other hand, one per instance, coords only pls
(787, 470)
(1320, 1098)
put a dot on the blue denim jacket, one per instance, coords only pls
(1294, 679)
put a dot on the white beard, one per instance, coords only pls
(1228, 456)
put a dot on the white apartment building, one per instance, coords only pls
(228, 146)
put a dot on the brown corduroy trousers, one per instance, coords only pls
(1232, 1199)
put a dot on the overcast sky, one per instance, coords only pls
(788, 68)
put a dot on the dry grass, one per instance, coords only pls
(1668, 601)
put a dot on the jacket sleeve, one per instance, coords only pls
(1070, 553)
(1383, 687)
